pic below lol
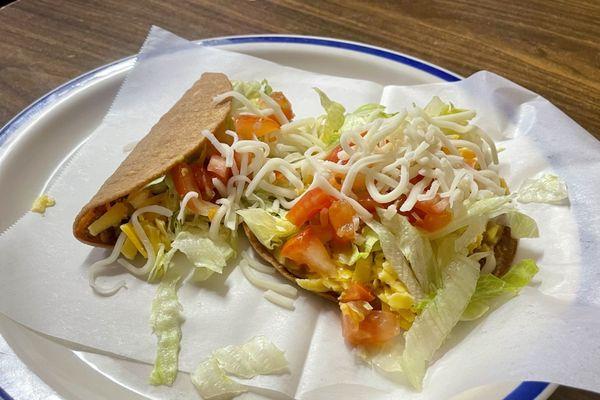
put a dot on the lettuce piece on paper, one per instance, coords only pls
(166, 319)
(258, 356)
(212, 383)
(548, 188)
(269, 229)
(431, 328)
(255, 357)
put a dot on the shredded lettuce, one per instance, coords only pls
(416, 248)
(387, 357)
(251, 89)
(212, 383)
(490, 288)
(202, 251)
(332, 121)
(482, 210)
(547, 188)
(440, 315)
(521, 225)
(258, 356)
(361, 251)
(470, 235)
(268, 228)
(363, 115)
(393, 254)
(166, 319)
(200, 275)
(437, 107)
(162, 263)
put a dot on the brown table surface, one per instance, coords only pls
(552, 48)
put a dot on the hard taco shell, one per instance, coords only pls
(172, 139)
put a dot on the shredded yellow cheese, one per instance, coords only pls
(41, 203)
(129, 231)
(110, 218)
(129, 250)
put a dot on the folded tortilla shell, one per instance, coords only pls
(171, 140)
(504, 251)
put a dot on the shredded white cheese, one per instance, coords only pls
(186, 199)
(260, 267)
(99, 267)
(279, 300)
(267, 284)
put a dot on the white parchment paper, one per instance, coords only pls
(549, 332)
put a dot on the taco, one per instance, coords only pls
(388, 202)
(174, 138)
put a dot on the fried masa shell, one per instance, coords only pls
(172, 139)
(504, 251)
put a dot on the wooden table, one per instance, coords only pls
(552, 48)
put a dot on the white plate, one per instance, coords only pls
(35, 143)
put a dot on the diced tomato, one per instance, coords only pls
(437, 205)
(184, 181)
(308, 206)
(204, 181)
(216, 166)
(341, 216)
(377, 328)
(364, 199)
(284, 103)
(416, 179)
(306, 248)
(434, 222)
(333, 155)
(247, 126)
(431, 215)
(280, 178)
(359, 184)
(357, 292)
(339, 246)
(324, 217)
(324, 233)
(335, 180)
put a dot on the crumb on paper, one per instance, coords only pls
(41, 203)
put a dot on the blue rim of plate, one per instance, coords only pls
(526, 390)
